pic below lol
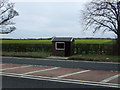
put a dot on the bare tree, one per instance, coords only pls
(104, 15)
(7, 13)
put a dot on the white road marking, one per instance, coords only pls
(73, 73)
(16, 74)
(69, 81)
(110, 78)
(63, 60)
(41, 70)
(93, 82)
(17, 67)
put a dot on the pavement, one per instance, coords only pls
(57, 57)
(62, 74)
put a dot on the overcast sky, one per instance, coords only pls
(38, 19)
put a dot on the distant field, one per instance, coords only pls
(94, 41)
(26, 41)
(79, 41)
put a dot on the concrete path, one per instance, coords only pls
(57, 57)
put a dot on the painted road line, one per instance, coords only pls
(69, 80)
(17, 67)
(92, 82)
(41, 70)
(110, 78)
(14, 74)
(64, 60)
(65, 81)
(73, 73)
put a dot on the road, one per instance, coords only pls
(45, 73)
(10, 82)
(64, 63)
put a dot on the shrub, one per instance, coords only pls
(26, 47)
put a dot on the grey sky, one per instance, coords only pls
(48, 19)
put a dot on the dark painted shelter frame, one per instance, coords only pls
(68, 49)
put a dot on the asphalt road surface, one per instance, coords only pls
(16, 82)
(62, 63)
(22, 82)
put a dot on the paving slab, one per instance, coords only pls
(25, 70)
(56, 72)
(60, 73)
(116, 80)
(11, 65)
(96, 76)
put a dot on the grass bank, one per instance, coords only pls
(27, 54)
(85, 57)
(93, 57)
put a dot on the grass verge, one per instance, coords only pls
(100, 58)
(26, 54)
(85, 57)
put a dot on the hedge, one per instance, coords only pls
(26, 47)
(79, 48)
(93, 49)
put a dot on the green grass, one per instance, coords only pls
(94, 41)
(84, 57)
(79, 41)
(26, 41)
(93, 57)
(27, 54)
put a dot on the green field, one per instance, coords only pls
(26, 41)
(79, 41)
(94, 41)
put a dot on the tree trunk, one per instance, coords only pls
(116, 46)
(118, 38)
(118, 41)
